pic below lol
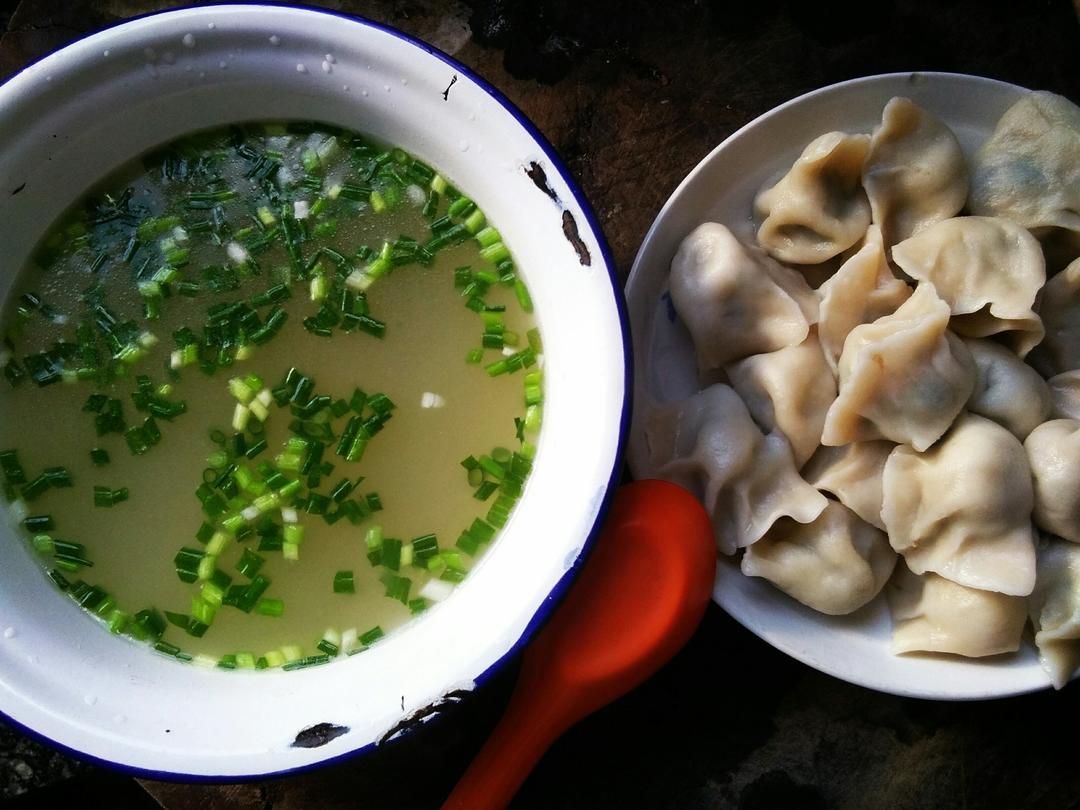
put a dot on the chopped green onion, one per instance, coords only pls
(107, 497)
(344, 582)
(397, 587)
(270, 607)
(371, 636)
(250, 563)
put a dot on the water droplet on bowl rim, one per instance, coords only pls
(211, 26)
(301, 67)
(188, 40)
(330, 58)
(275, 39)
(327, 67)
(10, 632)
(106, 52)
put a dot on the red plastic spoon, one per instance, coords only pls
(638, 600)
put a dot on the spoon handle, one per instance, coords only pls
(530, 724)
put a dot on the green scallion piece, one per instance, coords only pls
(270, 607)
(38, 523)
(304, 663)
(250, 563)
(187, 561)
(328, 647)
(485, 490)
(108, 497)
(424, 548)
(397, 587)
(34, 489)
(344, 582)
(150, 622)
(371, 636)
(253, 592)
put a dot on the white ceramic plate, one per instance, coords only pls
(721, 188)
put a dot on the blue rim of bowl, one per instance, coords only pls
(558, 592)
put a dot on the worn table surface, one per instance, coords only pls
(633, 95)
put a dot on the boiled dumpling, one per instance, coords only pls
(915, 173)
(1065, 394)
(818, 209)
(1007, 389)
(932, 614)
(710, 445)
(1060, 313)
(987, 270)
(1029, 169)
(1055, 610)
(1053, 450)
(903, 377)
(835, 565)
(789, 390)
(862, 290)
(735, 300)
(852, 473)
(963, 508)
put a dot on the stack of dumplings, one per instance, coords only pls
(911, 424)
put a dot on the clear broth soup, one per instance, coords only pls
(271, 390)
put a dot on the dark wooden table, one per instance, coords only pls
(633, 95)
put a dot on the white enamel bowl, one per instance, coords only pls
(72, 117)
(721, 188)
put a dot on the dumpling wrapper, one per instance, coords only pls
(735, 300)
(933, 614)
(988, 270)
(1007, 389)
(1053, 451)
(903, 377)
(852, 473)
(963, 508)
(915, 174)
(818, 209)
(789, 390)
(1065, 395)
(835, 564)
(1060, 312)
(1029, 169)
(709, 444)
(1055, 609)
(862, 290)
